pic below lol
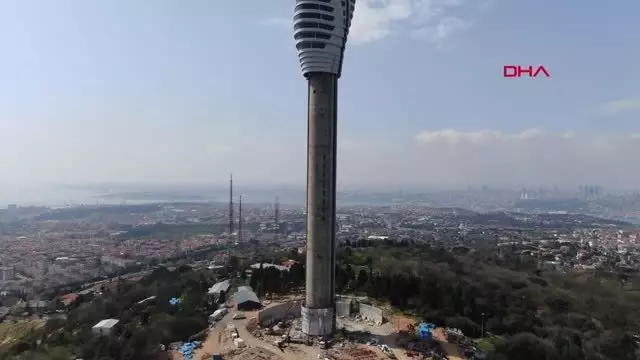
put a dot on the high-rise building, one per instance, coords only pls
(320, 30)
(7, 273)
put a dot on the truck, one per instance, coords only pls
(218, 314)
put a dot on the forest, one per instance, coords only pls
(142, 327)
(523, 312)
(519, 311)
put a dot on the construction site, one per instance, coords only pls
(275, 333)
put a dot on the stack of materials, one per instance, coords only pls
(424, 330)
(188, 349)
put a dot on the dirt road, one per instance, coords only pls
(215, 341)
(386, 334)
(219, 342)
(287, 353)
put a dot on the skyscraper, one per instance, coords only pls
(320, 30)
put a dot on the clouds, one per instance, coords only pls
(452, 136)
(448, 158)
(440, 33)
(531, 156)
(435, 21)
(451, 158)
(619, 106)
(372, 20)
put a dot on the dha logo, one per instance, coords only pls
(516, 71)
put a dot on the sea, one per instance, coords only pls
(52, 197)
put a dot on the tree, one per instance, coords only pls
(362, 279)
(369, 262)
(253, 281)
(619, 345)
(234, 263)
(527, 346)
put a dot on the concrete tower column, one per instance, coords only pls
(319, 307)
(320, 30)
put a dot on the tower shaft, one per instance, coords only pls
(319, 307)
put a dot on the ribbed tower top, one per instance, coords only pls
(320, 29)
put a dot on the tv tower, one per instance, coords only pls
(320, 30)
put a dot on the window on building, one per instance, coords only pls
(310, 45)
(314, 7)
(311, 35)
(306, 25)
(307, 15)
(313, 25)
(326, 27)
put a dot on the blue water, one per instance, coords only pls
(48, 196)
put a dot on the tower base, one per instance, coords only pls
(317, 322)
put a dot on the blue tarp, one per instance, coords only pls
(188, 349)
(424, 330)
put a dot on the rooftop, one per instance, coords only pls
(218, 287)
(268, 265)
(244, 294)
(106, 323)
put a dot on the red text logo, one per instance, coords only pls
(516, 71)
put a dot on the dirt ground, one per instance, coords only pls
(386, 334)
(219, 342)
(402, 323)
(452, 350)
(358, 352)
(173, 355)
(213, 344)
(257, 354)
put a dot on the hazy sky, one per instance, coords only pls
(190, 90)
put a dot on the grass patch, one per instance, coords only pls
(486, 345)
(13, 333)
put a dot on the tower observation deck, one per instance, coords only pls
(320, 30)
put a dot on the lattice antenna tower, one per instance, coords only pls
(276, 225)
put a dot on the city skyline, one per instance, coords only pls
(129, 92)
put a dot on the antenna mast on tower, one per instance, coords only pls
(229, 244)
